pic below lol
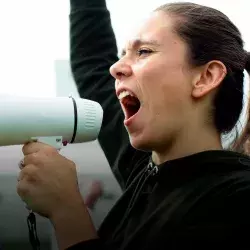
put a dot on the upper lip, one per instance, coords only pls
(121, 89)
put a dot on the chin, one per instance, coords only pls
(140, 144)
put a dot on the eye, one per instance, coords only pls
(141, 52)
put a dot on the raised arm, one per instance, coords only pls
(92, 51)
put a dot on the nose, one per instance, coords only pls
(120, 70)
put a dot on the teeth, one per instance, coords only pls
(124, 94)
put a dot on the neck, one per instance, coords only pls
(188, 142)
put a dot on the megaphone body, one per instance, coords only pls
(55, 121)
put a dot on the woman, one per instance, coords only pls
(180, 85)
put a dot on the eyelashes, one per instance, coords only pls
(141, 52)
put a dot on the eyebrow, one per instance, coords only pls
(138, 42)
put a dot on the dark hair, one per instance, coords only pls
(210, 35)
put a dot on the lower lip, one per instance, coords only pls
(128, 122)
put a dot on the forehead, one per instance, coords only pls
(156, 29)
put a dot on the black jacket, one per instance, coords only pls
(197, 202)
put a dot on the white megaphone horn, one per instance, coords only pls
(54, 121)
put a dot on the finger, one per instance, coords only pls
(29, 173)
(33, 147)
(20, 176)
(23, 189)
(33, 159)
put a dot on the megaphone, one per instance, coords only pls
(54, 121)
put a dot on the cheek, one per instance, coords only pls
(163, 88)
(148, 79)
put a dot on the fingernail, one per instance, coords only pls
(21, 164)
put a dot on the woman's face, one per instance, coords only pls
(154, 69)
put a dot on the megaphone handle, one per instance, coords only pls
(54, 141)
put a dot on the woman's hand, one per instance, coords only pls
(47, 181)
(48, 185)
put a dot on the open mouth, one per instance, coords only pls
(130, 103)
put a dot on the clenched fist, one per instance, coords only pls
(47, 182)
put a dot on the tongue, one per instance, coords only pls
(131, 104)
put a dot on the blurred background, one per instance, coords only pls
(34, 61)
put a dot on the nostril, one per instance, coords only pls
(119, 75)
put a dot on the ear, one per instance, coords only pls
(208, 78)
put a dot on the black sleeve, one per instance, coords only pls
(92, 51)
